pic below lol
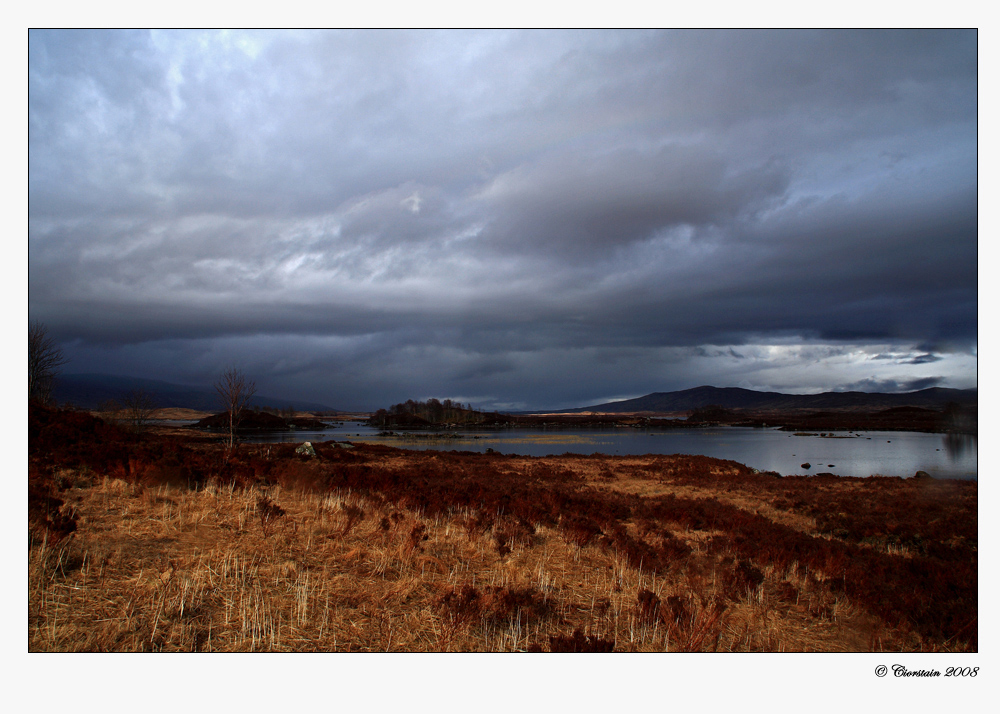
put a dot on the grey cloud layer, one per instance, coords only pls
(492, 200)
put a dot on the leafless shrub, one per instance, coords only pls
(44, 361)
(138, 408)
(269, 512)
(111, 411)
(235, 392)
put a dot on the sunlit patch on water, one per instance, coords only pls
(551, 439)
(566, 439)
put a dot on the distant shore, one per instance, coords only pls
(959, 421)
(895, 419)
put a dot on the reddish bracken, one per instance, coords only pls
(578, 642)
(906, 550)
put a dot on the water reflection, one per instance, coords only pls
(959, 446)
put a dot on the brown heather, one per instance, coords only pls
(150, 543)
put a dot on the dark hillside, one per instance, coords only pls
(745, 399)
(249, 421)
(253, 420)
(89, 391)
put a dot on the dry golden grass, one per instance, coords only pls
(162, 413)
(265, 569)
(179, 413)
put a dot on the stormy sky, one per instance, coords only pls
(517, 219)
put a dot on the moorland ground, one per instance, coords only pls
(141, 542)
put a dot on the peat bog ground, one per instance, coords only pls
(143, 542)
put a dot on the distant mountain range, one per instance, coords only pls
(747, 399)
(89, 391)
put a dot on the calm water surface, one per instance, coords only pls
(889, 453)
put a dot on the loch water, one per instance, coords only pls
(868, 453)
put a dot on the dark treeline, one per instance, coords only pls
(445, 412)
(434, 412)
(956, 419)
(952, 419)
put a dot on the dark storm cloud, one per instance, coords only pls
(581, 204)
(891, 385)
(924, 359)
(532, 218)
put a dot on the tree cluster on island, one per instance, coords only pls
(433, 412)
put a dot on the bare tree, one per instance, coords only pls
(44, 361)
(139, 407)
(111, 411)
(235, 390)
